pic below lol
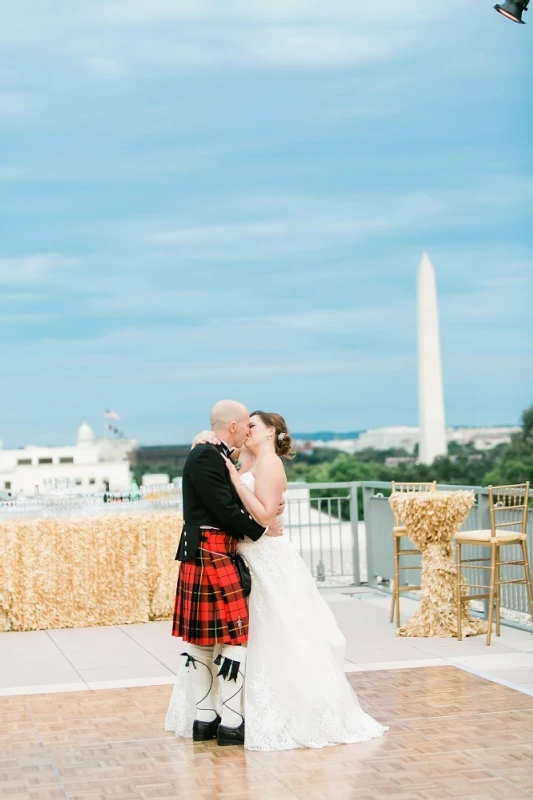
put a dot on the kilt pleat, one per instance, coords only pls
(210, 605)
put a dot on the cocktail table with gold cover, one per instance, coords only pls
(431, 520)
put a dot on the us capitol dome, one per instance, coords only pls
(92, 464)
(85, 435)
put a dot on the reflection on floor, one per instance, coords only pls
(452, 735)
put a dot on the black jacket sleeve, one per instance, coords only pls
(209, 478)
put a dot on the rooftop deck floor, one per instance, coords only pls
(82, 714)
(452, 735)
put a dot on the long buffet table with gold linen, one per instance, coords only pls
(93, 569)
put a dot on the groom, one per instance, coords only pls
(211, 608)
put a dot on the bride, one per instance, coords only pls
(296, 692)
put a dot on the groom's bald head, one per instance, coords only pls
(227, 411)
(229, 420)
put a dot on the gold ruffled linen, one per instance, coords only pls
(431, 520)
(75, 572)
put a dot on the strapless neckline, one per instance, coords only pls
(248, 478)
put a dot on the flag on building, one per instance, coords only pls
(115, 431)
(111, 414)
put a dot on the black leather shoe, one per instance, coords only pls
(227, 736)
(204, 731)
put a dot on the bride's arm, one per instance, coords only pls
(209, 437)
(205, 437)
(270, 483)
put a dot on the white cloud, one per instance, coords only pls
(18, 318)
(137, 12)
(297, 224)
(106, 67)
(320, 46)
(113, 39)
(146, 298)
(13, 173)
(261, 227)
(18, 105)
(34, 269)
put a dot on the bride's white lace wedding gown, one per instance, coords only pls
(296, 692)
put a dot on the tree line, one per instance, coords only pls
(464, 465)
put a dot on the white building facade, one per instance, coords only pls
(88, 466)
(407, 438)
(482, 438)
(388, 438)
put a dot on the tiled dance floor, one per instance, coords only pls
(452, 735)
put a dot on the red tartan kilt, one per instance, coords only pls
(210, 605)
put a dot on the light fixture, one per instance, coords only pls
(513, 9)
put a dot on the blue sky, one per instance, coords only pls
(204, 199)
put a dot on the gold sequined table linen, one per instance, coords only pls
(431, 520)
(70, 572)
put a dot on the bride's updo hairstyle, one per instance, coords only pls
(282, 437)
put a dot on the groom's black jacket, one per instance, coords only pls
(210, 500)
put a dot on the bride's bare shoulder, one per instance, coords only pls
(270, 464)
(271, 459)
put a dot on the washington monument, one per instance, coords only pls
(430, 393)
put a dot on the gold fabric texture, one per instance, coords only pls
(92, 570)
(432, 519)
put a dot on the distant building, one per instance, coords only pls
(155, 479)
(304, 445)
(482, 438)
(342, 445)
(395, 437)
(169, 458)
(399, 461)
(91, 465)
(407, 438)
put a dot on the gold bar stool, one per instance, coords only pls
(398, 532)
(508, 506)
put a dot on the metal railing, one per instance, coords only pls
(348, 540)
(342, 530)
(65, 504)
(326, 530)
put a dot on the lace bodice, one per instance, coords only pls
(263, 555)
(248, 478)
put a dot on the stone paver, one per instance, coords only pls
(144, 655)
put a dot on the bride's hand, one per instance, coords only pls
(275, 528)
(205, 437)
(232, 469)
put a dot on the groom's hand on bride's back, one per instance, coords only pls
(281, 508)
(275, 528)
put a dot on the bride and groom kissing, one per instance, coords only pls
(273, 657)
